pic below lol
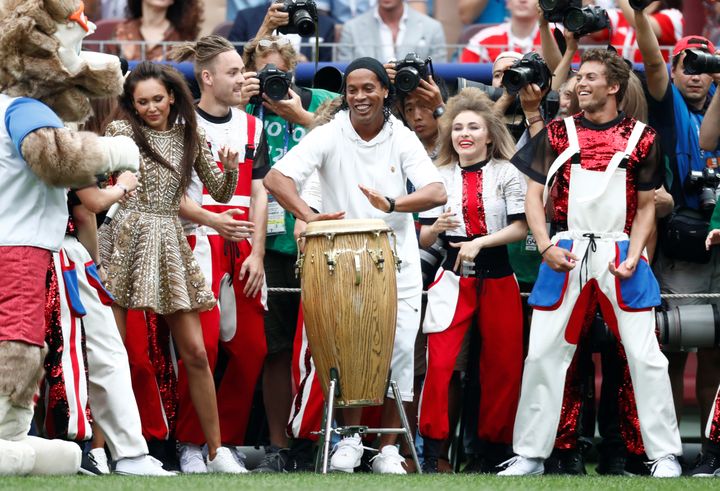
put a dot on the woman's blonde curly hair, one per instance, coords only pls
(501, 144)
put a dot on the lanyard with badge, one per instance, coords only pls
(276, 213)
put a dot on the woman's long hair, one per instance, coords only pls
(182, 111)
(184, 15)
(475, 100)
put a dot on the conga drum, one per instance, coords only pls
(349, 298)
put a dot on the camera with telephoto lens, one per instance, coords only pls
(554, 10)
(697, 62)
(586, 20)
(704, 183)
(273, 82)
(303, 17)
(530, 69)
(410, 70)
(494, 93)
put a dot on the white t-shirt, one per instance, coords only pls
(343, 160)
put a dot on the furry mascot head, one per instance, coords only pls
(41, 58)
(45, 81)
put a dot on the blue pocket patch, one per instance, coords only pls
(639, 292)
(549, 288)
(73, 294)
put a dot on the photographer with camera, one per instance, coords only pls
(286, 110)
(390, 29)
(600, 169)
(677, 105)
(263, 20)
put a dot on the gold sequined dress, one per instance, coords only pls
(149, 262)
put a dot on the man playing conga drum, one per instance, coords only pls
(364, 158)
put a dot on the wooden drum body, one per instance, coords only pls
(349, 298)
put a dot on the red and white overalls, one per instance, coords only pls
(237, 322)
(486, 197)
(597, 195)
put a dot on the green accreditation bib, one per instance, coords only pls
(280, 140)
(525, 259)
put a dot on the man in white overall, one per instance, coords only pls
(599, 170)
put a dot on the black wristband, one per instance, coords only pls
(542, 254)
(392, 204)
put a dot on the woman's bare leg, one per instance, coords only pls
(187, 333)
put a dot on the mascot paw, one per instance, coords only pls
(54, 457)
(16, 458)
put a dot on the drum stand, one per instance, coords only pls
(343, 431)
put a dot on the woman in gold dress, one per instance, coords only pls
(150, 265)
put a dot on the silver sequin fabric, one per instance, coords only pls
(149, 262)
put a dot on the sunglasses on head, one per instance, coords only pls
(267, 43)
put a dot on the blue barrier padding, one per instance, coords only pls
(479, 72)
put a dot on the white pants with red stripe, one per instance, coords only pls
(554, 334)
(112, 401)
(308, 399)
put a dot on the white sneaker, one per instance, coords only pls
(347, 454)
(191, 459)
(388, 461)
(239, 457)
(224, 462)
(144, 465)
(98, 457)
(667, 466)
(522, 466)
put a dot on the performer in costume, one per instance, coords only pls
(151, 266)
(485, 212)
(79, 317)
(601, 169)
(46, 80)
(363, 148)
(234, 268)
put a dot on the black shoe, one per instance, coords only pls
(635, 465)
(430, 465)
(612, 465)
(88, 466)
(707, 465)
(572, 462)
(274, 460)
(473, 465)
(300, 457)
(553, 464)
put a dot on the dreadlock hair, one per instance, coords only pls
(182, 112)
(202, 52)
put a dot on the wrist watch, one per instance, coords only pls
(531, 121)
(439, 111)
(392, 204)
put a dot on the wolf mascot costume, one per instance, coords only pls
(45, 81)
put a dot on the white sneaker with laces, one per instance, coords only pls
(225, 463)
(347, 454)
(99, 458)
(144, 465)
(667, 466)
(388, 461)
(191, 459)
(522, 466)
(239, 457)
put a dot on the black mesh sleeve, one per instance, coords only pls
(261, 162)
(535, 158)
(650, 169)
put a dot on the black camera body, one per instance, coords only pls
(554, 10)
(530, 69)
(410, 70)
(698, 61)
(303, 17)
(586, 20)
(273, 82)
(704, 182)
